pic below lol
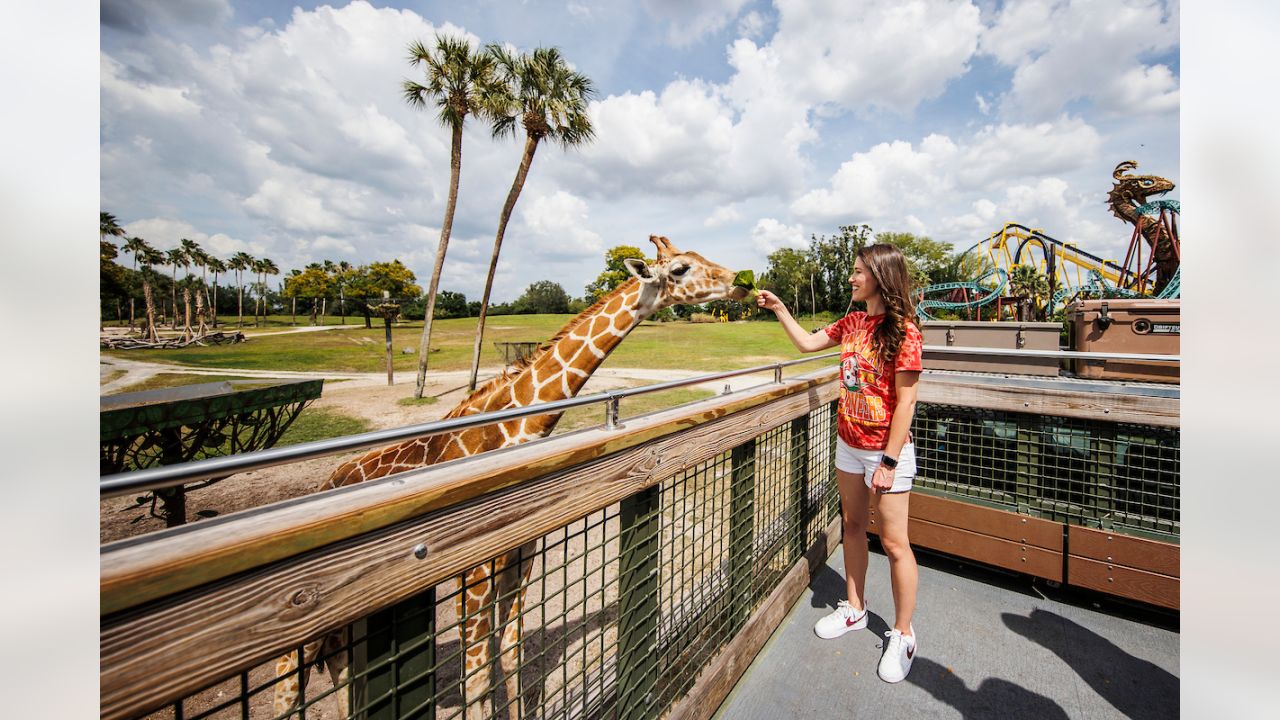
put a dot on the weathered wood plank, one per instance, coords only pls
(1140, 409)
(983, 548)
(1153, 588)
(987, 521)
(1113, 548)
(722, 673)
(176, 646)
(144, 569)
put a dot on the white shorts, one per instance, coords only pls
(864, 462)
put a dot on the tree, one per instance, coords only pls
(146, 256)
(218, 267)
(543, 297)
(135, 246)
(108, 225)
(451, 305)
(834, 257)
(542, 94)
(1031, 287)
(792, 275)
(192, 255)
(459, 82)
(313, 283)
(264, 267)
(240, 262)
(615, 272)
(368, 282)
(928, 259)
(174, 258)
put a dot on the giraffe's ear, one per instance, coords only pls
(640, 269)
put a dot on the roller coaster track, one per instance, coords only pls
(984, 295)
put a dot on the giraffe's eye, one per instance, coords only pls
(681, 270)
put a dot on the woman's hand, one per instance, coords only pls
(882, 479)
(769, 301)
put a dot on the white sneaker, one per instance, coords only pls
(842, 620)
(900, 651)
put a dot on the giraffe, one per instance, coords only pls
(558, 369)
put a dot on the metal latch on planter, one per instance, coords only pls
(951, 336)
(1022, 337)
(1103, 318)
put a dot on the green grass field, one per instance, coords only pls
(709, 346)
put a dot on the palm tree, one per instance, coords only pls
(193, 255)
(135, 246)
(459, 82)
(217, 266)
(264, 267)
(341, 278)
(146, 256)
(240, 262)
(175, 257)
(549, 100)
(107, 225)
(1028, 283)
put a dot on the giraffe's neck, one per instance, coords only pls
(561, 370)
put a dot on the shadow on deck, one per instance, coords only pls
(992, 645)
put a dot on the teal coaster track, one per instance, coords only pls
(985, 295)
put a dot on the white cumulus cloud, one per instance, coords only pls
(769, 235)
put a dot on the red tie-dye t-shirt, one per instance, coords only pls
(867, 391)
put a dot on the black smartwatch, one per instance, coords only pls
(888, 462)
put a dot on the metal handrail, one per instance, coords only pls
(172, 475)
(962, 350)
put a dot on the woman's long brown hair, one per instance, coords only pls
(888, 266)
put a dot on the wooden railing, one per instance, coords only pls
(185, 607)
(188, 607)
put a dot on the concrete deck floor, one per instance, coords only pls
(992, 645)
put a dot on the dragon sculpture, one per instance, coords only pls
(1128, 201)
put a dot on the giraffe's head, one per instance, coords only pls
(681, 278)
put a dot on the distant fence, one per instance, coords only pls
(660, 553)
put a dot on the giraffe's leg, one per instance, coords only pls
(510, 592)
(290, 677)
(337, 661)
(476, 615)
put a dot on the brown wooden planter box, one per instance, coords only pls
(995, 537)
(1123, 565)
(1002, 335)
(1143, 325)
(1120, 565)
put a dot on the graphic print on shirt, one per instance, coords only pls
(861, 370)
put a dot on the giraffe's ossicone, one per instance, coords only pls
(492, 594)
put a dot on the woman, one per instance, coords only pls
(875, 459)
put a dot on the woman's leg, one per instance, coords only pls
(892, 512)
(853, 511)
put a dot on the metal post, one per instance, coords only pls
(1104, 467)
(401, 650)
(611, 413)
(742, 529)
(777, 373)
(390, 375)
(1029, 492)
(801, 511)
(638, 603)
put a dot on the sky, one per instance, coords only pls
(732, 127)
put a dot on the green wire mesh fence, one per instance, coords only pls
(611, 616)
(1093, 473)
(616, 614)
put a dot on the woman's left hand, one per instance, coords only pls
(882, 480)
